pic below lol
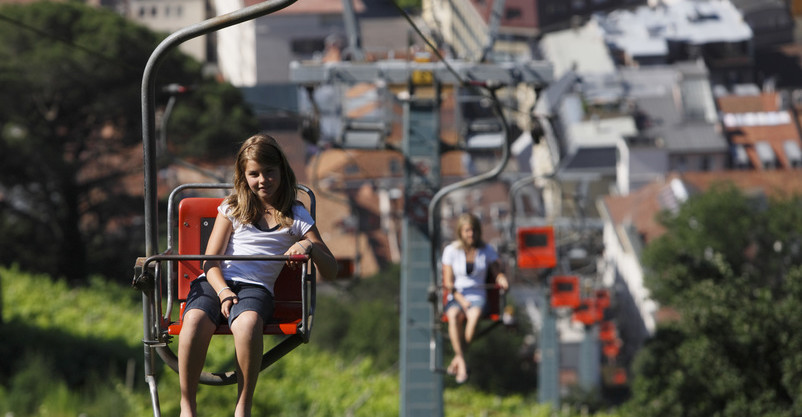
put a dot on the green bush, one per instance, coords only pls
(70, 351)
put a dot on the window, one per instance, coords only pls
(307, 46)
(512, 13)
(352, 169)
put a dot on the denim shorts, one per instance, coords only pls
(251, 297)
(475, 303)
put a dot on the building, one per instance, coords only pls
(685, 30)
(168, 16)
(762, 130)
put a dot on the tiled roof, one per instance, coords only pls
(638, 209)
(752, 119)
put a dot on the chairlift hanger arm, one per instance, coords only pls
(149, 92)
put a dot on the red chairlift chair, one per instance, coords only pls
(496, 302)
(565, 291)
(614, 375)
(607, 332)
(536, 247)
(611, 348)
(294, 290)
(588, 312)
(195, 221)
(602, 298)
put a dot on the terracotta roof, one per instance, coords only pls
(775, 133)
(639, 208)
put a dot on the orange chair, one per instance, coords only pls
(195, 221)
(294, 290)
(565, 291)
(536, 247)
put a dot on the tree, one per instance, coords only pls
(729, 264)
(70, 135)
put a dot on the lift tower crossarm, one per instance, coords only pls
(537, 73)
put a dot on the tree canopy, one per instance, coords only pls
(729, 264)
(71, 131)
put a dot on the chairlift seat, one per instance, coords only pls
(536, 248)
(587, 312)
(494, 307)
(565, 291)
(196, 218)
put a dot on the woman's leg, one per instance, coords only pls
(196, 333)
(472, 322)
(456, 318)
(248, 342)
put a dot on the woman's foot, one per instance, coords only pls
(452, 368)
(462, 377)
(461, 371)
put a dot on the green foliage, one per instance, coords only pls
(73, 351)
(70, 137)
(210, 120)
(727, 264)
(408, 4)
(362, 320)
(497, 360)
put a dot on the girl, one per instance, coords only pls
(466, 263)
(261, 216)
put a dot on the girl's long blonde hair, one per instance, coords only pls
(245, 205)
(473, 221)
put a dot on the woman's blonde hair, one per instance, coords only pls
(473, 221)
(245, 206)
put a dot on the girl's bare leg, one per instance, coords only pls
(196, 333)
(248, 342)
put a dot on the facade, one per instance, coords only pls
(685, 30)
(259, 51)
(170, 15)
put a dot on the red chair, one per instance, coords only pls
(565, 291)
(294, 290)
(611, 348)
(536, 247)
(496, 301)
(588, 313)
(607, 332)
(195, 221)
(603, 298)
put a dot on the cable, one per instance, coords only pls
(428, 42)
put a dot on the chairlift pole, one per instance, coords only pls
(153, 341)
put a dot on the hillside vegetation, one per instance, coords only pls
(70, 351)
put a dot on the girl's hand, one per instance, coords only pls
(227, 300)
(501, 281)
(301, 247)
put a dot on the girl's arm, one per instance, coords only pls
(501, 279)
(448, 285)
(218, 242)
(312, 244)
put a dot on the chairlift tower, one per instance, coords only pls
(421, 388)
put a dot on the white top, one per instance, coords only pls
(471, 286)
(247, 239)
